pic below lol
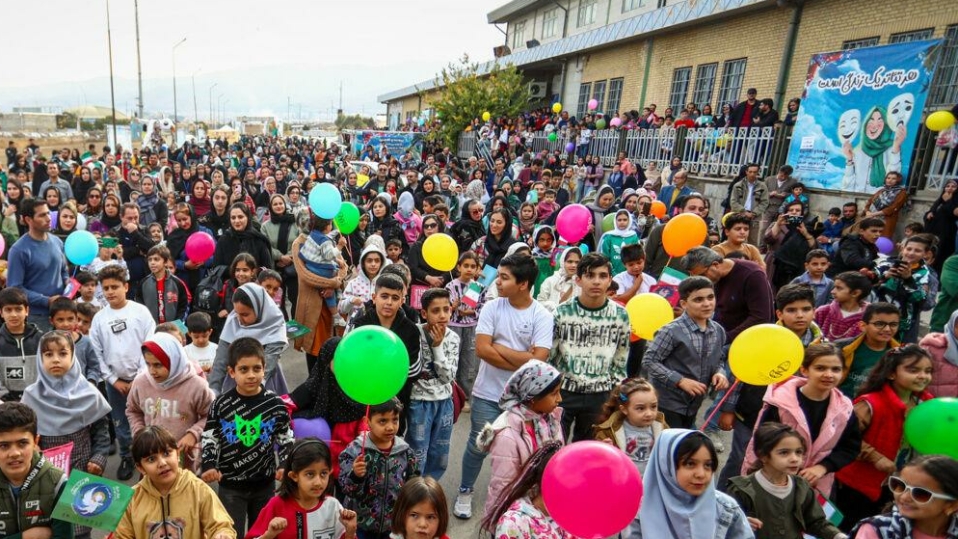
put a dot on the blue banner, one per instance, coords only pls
(397, 142)
(860, 115)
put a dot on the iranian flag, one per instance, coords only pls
(86, 158)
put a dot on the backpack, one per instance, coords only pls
(207, 296)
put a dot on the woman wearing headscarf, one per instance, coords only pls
(218, 218)
(469, 227)
(200, 198)
(422, 273)
(109, 219)
(878, 153)
(887, 202)
(268, 328)
(281, 230)
(186, 225)
(492, 247)
(943, 348)
(82, 183)
(94, 203)
(940, 221)
(242, 237)
(604, 203)
(427, 187)
(152, 207)
(476, 190)
(410, 222)
(383, 223)
(528, 219)
(561, 286)
(165, 181)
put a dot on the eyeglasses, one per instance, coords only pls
(427, 226)
(883, 325)
(477, 211)
(921, 495)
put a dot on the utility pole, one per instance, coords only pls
(212, 123)
(109, 43)
(175, 116)
(139, 67)
(289, 105)
(196, 116)
(219, 117)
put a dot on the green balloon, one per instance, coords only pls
(930, 428)
(348, 218)
(608, 222)
(600, 124)
(553, 137)
(371, 364)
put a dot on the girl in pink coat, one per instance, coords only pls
(943, 348)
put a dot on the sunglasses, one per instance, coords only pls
(921, 495)
(427, 226)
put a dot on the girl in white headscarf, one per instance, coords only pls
(560, 286)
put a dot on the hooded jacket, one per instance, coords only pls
(408, 220)
(374, 495)
(806, 513)
(361, 286)
(18, 352)
(944, 381)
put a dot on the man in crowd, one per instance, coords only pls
(751, 197)
(37, 263)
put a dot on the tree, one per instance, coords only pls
(466, 93)
(354, 122)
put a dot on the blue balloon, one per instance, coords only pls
(81, 247)
(325, 200)
(316, 427)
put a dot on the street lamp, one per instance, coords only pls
(196, 116)
(211, 103)
(180, 42)
(109, 43)
(219, 118)
(223, 111)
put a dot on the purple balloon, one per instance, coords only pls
(570, 147)
(316, 427)
(885, 245)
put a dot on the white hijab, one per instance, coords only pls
(269, 327)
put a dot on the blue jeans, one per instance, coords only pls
(429, 432)
(741, 434)
(483, 412)
(121, 425)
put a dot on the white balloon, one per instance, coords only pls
(81, 221)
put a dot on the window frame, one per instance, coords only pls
(852, 44)
(698, 93)
(550, 21)
(598, 93)
(915, 35)
(615, 89)
(728, 91)
(632, 5)
(518, 35)
(679, 87)
(586, 10)
(585, 93)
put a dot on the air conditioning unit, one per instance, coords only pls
(537, 89)
(500, 51)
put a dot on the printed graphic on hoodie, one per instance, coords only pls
(248, 431)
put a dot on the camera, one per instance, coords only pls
(793, 220)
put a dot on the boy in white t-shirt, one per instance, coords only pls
(632, 281)
(200, 351)
(509, 327)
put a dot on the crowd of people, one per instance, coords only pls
(174, 363)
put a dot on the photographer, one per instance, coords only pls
(788, 241)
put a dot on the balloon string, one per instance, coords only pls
(669, 263)
(365, 427)
(718, 407)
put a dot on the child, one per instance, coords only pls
(69, 408)
(925, 493)
(561, 286)
(63, 316)
(821, 413)
(242, 271)
(832, 232)
(303, 505)
(737, 227)
(778, 502)
(87, 293)
(247, 427)
(795, 310)
(943, 348)
(531, 417)
(156, 233)
(905, 282)
(169, 393)
(464, 320)
(21, 461)
(612, 242)
(171, 328)
(841, 318)
(271, 281)
(373, 469)
(359, 289)
(430, 404)
(170, 501)
(633, 280)
(543, 252)
(201, 351)
(19, 340)
(797, 194)
(163, 293)
(893, 388)
(420, 511)
(85, 314)
(631, 420)
(547, 206)
(527, 222)
(521, 513)
(117, 333)
(878, 325)
(816, 264)
(321, 256)
(676, 367)
(394, 251)
(680, 496)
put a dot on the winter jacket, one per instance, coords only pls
(176, 298)
(439, 366)
(944, 381)
(554, 287)
(806, 515)
(33, 506)
(374, 495)
(759, 197)
(853, 254)
(835, 325)
(612, 429)
(190, 511)
(361, 286)
(18, 358)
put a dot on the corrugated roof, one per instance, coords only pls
(650, 22)
(511, 9)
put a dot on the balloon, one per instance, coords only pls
(765, 354)
(557, 108)
(81, 247)
(608, 222)
(325, 200)
(552, 136)
(81, 223)
(658, 209)
(486, 116)
(362, 179)
(648, 312)
(591, 478)
(723, 141)
(615, 122)
(371, 349)
(940, 120)
(885, 245)
(930, 427)
(570, 147)
(573, 222)
(440, 252)
(348, 218)
(549, 128)
(600, 124)
(316, 427)
(683, 232)
(200, 246)
(3, 244)
(593, 104)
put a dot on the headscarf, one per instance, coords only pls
(667, 510)
(496, 247)
(407, 203)
(536, 251)
(285, 222)
(476, 190)
(328, 399)
(106, 220)
(171, 354)
(64, 404)
(529, 380)
(269, 327)
(201, 206)
(147, 205)
(526, 226)
(616, 231)
(951, 352)
(876, 148)
(887, 195)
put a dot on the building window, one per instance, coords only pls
(615, 97)
(585, 90)
(661, 3)
(859, 43)
(586, 12)
(944, 87)
(519, 35)
(550, 23)
(704, 84)
(733, 74)
(598, 93)
(680, 88)
(917, 35)
(629, 5)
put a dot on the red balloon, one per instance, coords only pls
(200, 246)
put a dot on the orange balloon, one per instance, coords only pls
(683, 232)
(658, 208)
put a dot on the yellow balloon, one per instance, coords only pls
(362, 179)
(648, 313)
(486, 116)
(440, 252)
(765, 354)
(557, 108)
(940, 120)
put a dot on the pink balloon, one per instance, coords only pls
(199, 247)
(593, 104)
(573, 222)
(592, 478)
(615, 122)
(3, 245)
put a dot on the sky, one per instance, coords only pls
(262, 55)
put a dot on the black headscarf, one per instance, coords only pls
(321, 396)
(285, 221)
(496, 247)
(176, 241)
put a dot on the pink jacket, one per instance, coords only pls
(784, 397)
(834, 325)
(944, 381)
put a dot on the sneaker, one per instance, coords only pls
(463, 507)
(125, 471)
(716, 438)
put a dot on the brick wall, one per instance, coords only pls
(626, 61)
